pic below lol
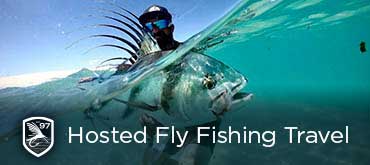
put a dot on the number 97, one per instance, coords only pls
(44, 125)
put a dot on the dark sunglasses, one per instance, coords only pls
(160, 24)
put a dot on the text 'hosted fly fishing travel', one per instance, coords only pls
(238, 136)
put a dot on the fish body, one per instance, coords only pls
(180, 94)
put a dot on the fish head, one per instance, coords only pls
(223, 86)
(212, 87)
(225, 92)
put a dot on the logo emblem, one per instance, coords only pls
(38, 135)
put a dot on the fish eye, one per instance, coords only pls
(209, 82)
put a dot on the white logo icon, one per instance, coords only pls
(38, 135)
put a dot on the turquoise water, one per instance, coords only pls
(304, 71)
(304, 66)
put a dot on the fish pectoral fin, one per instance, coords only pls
(139, 104)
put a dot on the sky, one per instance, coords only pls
(37, 35)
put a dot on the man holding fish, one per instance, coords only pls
(191, 92)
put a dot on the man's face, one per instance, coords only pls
(162, 35)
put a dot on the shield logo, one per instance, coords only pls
(38, 135)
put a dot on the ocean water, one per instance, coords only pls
(305, 69)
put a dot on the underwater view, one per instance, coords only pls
(259, 65)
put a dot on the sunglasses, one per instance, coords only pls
(160, 24)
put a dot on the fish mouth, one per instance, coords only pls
(230, 97)
(241, 97)
(237, 96)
